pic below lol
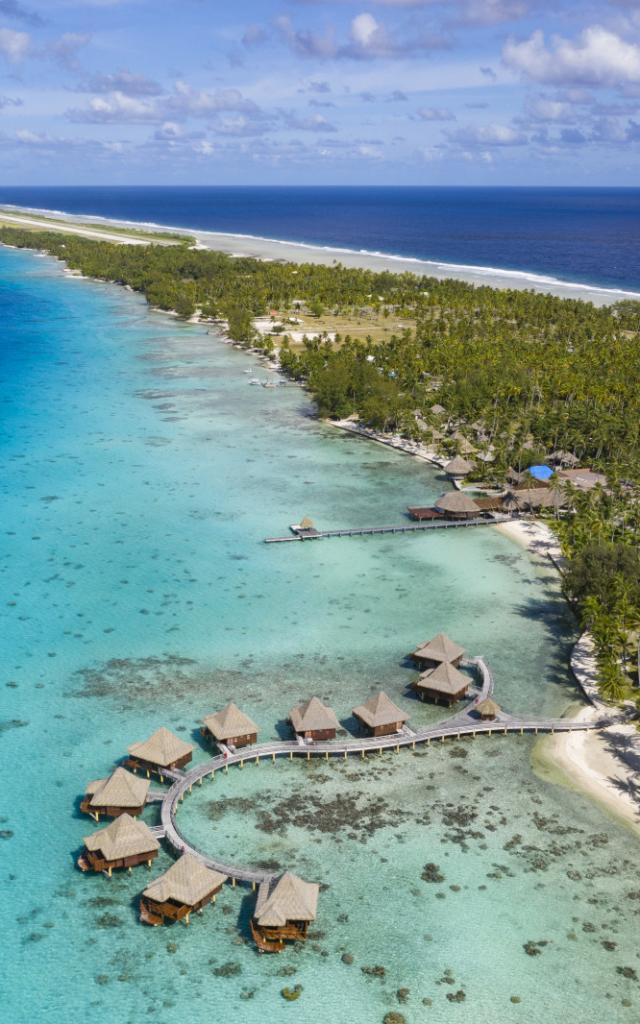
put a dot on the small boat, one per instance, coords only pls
(254, 380)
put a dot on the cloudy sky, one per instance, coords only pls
(319, 91)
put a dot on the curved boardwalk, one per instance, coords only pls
(462, 724)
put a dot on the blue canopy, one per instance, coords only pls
(541, 472)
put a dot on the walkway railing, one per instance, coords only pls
(461, 724)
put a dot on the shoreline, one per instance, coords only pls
(254, 246)
(587, 762)
(602, 765)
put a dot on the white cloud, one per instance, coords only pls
(435, 114)
(487, 135)
(597, 57)
(114, 108)
(363, 30)
(14, 45)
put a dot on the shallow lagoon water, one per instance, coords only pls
(140, 475)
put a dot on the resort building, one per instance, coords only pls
(313, 720)
(458, 467)
(162, 750)
(284, 908)
(380, 716)
(433, 652)
(122, 844)
(457, 505)
(583, 479)
(444, 684)
(111, 797)
(488, 710)
(187, 886)
(230, 726)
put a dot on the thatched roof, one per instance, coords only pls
(121, 789)
(445, 678)
(438, 410)
(562, 458)
(440, 648)
(538, 497)
(162, 748)
(187, 881)
(124, 837)
(230, 722)
(306, 523)
(583, 479)
(288, 899)
(458, 466)
(488, 707)
(312, 716)
(456, 501)
(379, 710)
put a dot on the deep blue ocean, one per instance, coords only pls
(584, 235)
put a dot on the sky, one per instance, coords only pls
(414, 92)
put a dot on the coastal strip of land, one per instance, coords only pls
(298, 252)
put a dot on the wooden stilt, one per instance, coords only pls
(233, 882)
(291, 755)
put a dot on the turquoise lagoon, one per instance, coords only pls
(140, 474)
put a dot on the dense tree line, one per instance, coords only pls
(511, 374)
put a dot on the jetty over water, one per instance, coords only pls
(362, 531)
(465, 723)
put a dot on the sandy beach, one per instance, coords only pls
(298, 252)
(603, 764)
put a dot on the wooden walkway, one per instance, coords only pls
(362, 531)
(462, 724)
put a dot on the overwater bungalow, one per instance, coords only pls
(380, 716)
(111, 797)
(186, 886)
(457, 505)
(314, 720)
(458, 467)
(444, 684)
(124, 843)
(433, 652)
(162, 750)
(487, 709)
(230, 726)
(284, 909)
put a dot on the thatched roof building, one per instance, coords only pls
(530, 499)
(487, 709)
(566, 460)
(314, 720)
(284, 909)
(440, 648)
(457, 505)
(231, 726)
(186, 886)
(380, 715)
(584, 479)
(122, 844)
(458, 467)
(122, 791)
(445, 684)
(163, 749)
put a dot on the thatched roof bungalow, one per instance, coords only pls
(440, 648)
(314, 720)
(380, 716)
(163, 749)
(458, 467)
(230, 726)
(583, 478)
(122, 844)
(111, 797)
(487, 709)
(284, 909)
(186, 886)
(457, 505)
(444, 684)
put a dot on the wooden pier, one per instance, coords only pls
(363, 531)
(464, 723)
